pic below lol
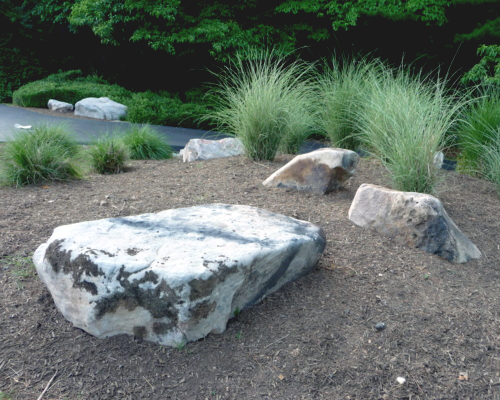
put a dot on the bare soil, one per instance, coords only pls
(313, 339)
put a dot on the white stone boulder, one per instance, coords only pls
(100, 108)
(320, 171)
(60, 106)
(174, 276)
(413, 219)
(203, 149)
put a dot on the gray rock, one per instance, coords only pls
(60, 106)
(203, 149)
(380, 326)
(100, 108)
(174, 276)
(320, 171)
(413, 219)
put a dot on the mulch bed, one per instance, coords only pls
(313, 339)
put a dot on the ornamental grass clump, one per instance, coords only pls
(342, 90)
(108, 155)
(474, 133)
(403, 123)
(144, 143)
(266, 102)
(44, 153)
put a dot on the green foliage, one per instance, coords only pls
(67, 87)
(404, 122)
(265, 102)
(487, 71)
(21, 267)
(342, 90)
(474, 131)
(108, 155)
(165, 109)
(144, 143)
(491, 154)
(45, 153)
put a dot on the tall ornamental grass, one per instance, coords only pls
(108, 155)
(404, 122)
(144, 143)
(474, 133)
(342, 90)
(45, 153)
(266, 102)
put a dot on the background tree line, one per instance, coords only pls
(177, 41)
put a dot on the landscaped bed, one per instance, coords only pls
(314, 338)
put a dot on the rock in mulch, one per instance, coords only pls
(203, 149)
(60, 106)
(320, 171)
(413, 219)
(174, 276)
(100, 108)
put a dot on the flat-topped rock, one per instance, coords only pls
(413, 219)
(320, 171)
(174, 276)
(203, 149)
(100, 108)
(60, 106)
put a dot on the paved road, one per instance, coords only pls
(87, 130)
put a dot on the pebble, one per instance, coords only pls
(380, 326)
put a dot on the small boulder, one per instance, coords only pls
(174, 276)
(203, 149)
(100, 108)
(60, 106)
(320, 171)
(413, 219)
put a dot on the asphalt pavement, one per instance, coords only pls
(87, 130)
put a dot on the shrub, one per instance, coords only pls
(69, 87)
(264, 101)
(108, 155)
(166, 109)
(45, 153)
(474, 131)
(144, 143)
(404, 122)
(342, 90)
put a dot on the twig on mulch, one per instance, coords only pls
(48, 385)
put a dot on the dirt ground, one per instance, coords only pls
(313, 339)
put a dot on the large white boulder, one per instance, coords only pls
(60, 106)
(413, 219)
(320, 171)
(174, 276)
(100, 108)
(203, 149)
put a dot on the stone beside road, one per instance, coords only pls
(100, 108)
(60, 106)
(412, 219)
(320, 171)
(203, 149)
(174, 276)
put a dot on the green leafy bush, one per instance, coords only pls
(108, 155)
(265, 101)
(144, 143)
(45, 153)
(474, 131)
(404, 122)
(342, 91)
(166, 109)
(69, 87)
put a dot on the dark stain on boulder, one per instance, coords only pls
(107, 253)
(160, 328)
(134, 296)
(133, 252)
(202, 310)
(203, 287)
(140, 332)
(81, 266)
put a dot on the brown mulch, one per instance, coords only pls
(313, 339)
